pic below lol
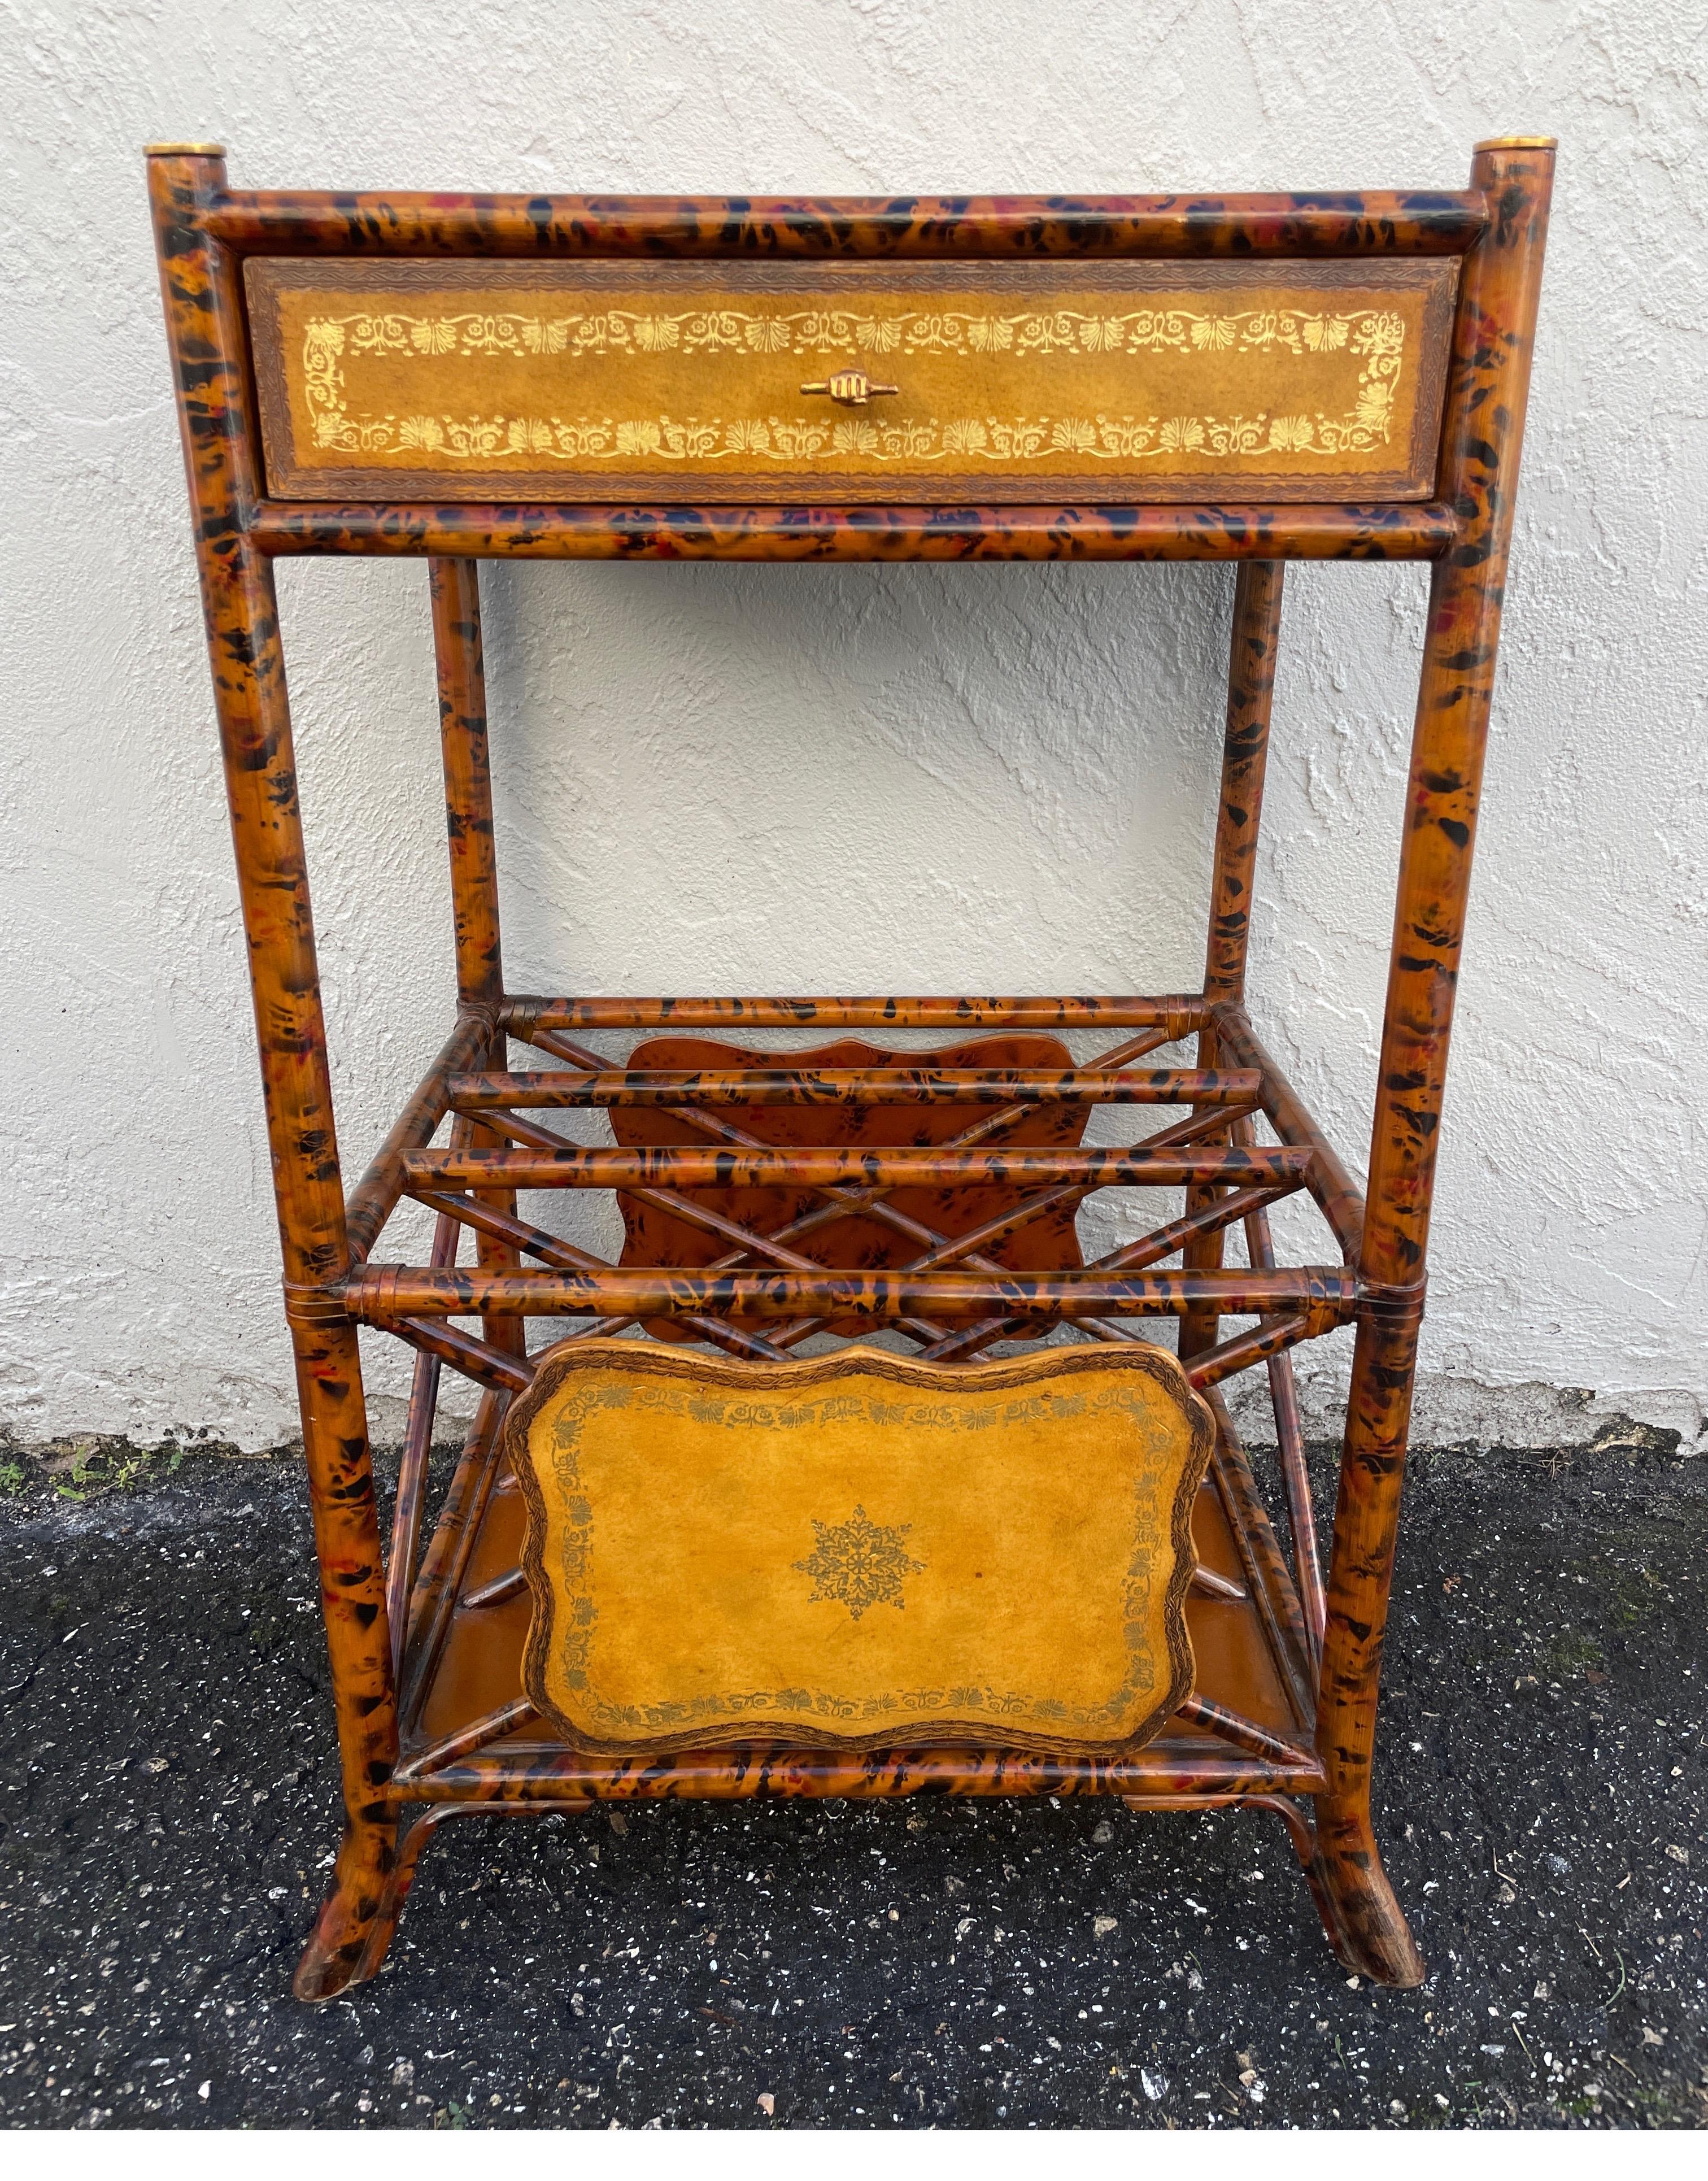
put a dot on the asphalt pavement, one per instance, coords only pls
(170, 1807)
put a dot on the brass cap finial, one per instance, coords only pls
(1517, 144)
(183, 151)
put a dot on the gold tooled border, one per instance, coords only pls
(652, 1359)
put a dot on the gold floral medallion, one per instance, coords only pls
(859, 1563)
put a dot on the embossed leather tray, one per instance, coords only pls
(858, 1549)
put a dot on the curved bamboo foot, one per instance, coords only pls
(1302, 1836)
(334, 1956)
(1360, 1913)
(354, 1936)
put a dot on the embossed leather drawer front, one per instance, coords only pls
(1082, 381)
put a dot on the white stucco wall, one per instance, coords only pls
(748, 778)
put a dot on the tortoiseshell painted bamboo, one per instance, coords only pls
(1245, 753)
(417, 1834)
(493, 1253)
(1290, 1445)
(447, 1554)
(1484, 432)
(842, 1165)
(454, 588)
(413, 1466)
(1265, 1569)
(468, 1741)
(459, 657)
(411, 1477)
(491, 1368)
(1337, 1196)
(1252, 645)
(1269, 1337)
(569, 532)
(1177, 1015)
(964, 1249)
(549, 1773)
(1487, 382)
(384, 1927)
(1256, 640)
(853, 1086)
(500, 1371)
(476, 1212)
(1132, 1257)
(511, 1374)
(1166, 1775)
(375, 1197)
(388, 1291)
(1297, 1828)
(1202, 1711)
(491, 1218)
(1328, 223)
(844, 1203)
(205, 321)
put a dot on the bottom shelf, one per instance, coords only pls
(469, 1734)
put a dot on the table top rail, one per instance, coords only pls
(1318, 223)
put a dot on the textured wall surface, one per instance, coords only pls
(747, 778)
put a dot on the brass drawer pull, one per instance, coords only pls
(851, 388)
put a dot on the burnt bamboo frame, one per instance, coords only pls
(388, 1618)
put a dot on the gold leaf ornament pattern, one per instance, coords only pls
(1376, 337)
(1073, 435)
(859, 1563)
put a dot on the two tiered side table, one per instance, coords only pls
(458, 378)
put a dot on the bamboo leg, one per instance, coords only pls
(346, 1537)
(1374, 1937)
(1256, 641)
(462, 691)
(1257, 605)
(205, 318)
(1481, 444)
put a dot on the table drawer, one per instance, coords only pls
(1084, 381)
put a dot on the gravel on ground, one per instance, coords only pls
(170, 1807)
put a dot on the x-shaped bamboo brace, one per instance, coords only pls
(843, 1203)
